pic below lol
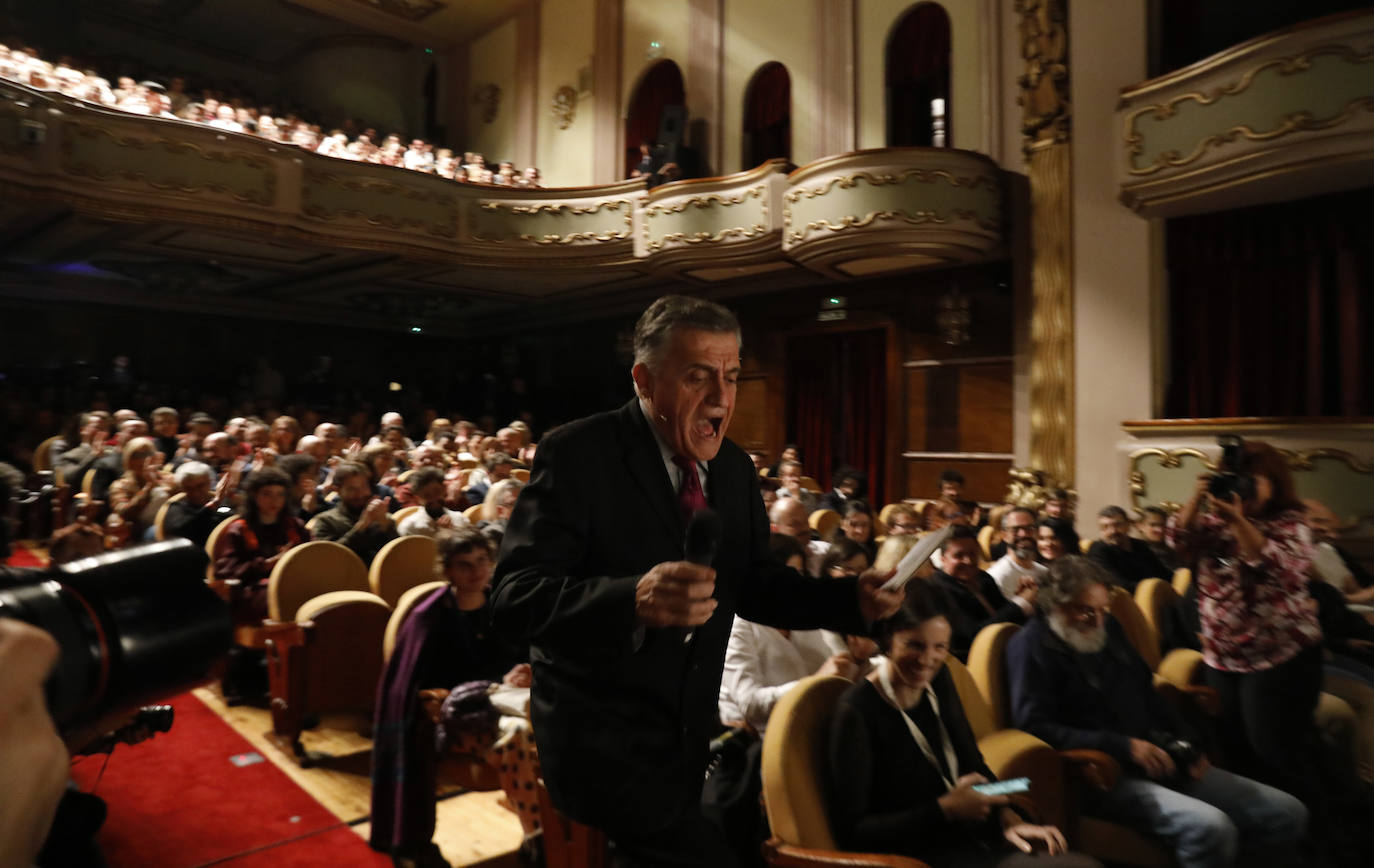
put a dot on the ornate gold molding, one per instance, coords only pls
(314, 177)
(553, 238)
(920, 218)
(1298, 121)
(557, 207)
(1304, 459)
(1044, 97)
(707, 201)
(1298, 460)
(923, 176)
(101, 173)
(1031, 488)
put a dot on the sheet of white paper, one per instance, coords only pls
(918, 555)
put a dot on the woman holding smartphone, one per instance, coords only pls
(904, 763)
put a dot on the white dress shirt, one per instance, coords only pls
(761, 664)
(1009, 573)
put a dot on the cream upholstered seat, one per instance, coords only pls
(311, 569)
(210, 542)
(404, 605)
(824, 521)
(985, 535)
(401, 564)
(160, 520)
(42, 454)
(404, 513)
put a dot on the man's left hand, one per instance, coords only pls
(875, 603)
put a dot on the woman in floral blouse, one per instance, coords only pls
(1261, 640)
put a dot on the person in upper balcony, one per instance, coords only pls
(225, 120)
(530, 178)
(1127, 559)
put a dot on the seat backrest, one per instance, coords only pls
(402, 564)
(794, 762)
(985, 535)
(474, 513)
(885, 514)
(311, 569)
(42, 454)
(88, 482)
(159, 533)
(971, 697)
(345, 652)
(987, 664)
(824, 521)
(1183, 580)
(809, 483)
(210, 542)
(1084, 544)
(404, 513)
(1154, 598)
(407, 602)
(1136, 628)
(520, 474)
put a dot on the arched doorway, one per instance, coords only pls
(767, 116)
(918, 64)
(659, 88)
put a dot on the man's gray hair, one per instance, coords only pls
(193, 469)
(669, 312)
(1068, 577)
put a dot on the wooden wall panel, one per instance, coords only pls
(984, 481)
(985, 408)
(750, 425)
(917, 399)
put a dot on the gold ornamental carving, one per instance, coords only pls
(315, 178)
(106, 173)
(1297, 121)
(706, 201)
(564, 106)
(923, 176)
(1044, 98)
(1046, 127)
(556, 207)
(1031, 488)
(920, 218)
(615, 205)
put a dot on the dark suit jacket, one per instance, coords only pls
(969, 615)
(623, 715)
(1130, 564)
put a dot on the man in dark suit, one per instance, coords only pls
(627, 639)
(977, 601)
(1126, 558)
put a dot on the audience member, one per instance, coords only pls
(950, 507)
(790, 517)
(975, 597)
(427, 484)
(1077, 683)
(195, 515)
(166, 424)
(497, 506)
(849, 483)
(845, 559)
(1018, 564)
(763, 663)
(903, 759)
(303, 471)
(360, 520)
(856, 524)
(1127, 559)
(1334, 565)
(1055, 538)
(903, 520)
(789, 479)
(140, 491)
(1151, 526)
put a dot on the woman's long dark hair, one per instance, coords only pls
(258, 480)
(923, 600)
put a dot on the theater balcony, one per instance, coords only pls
(1283, 116)
(236, 220)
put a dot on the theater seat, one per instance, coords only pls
(794, 789)
(985, 535)
(311, 569)
(1183, 579)
(401, 564)
(407, 601)
(330, 662)
(404, 513)
(474, 513)
(520, 474)
(824, 521)
(160, 520)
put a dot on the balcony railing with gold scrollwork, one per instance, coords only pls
(1282, 116)
(856, 214)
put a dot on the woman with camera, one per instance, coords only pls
(1261, 640)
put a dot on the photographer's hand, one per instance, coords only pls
(1189, 510)
(1249, 541)
(33, 760)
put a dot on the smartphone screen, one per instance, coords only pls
(1003, 788)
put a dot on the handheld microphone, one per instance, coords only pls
(701, 544)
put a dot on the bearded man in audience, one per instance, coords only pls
(1018, 564)
(977, 600)
(789, 517)
(72, 464)
(220, 451)
(360, 521)
(1077, 683)
(1127, 559)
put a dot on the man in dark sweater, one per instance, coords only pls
(1077, 683)
(976, 599)
(360, 521)
(196, 514)
(1127, 559)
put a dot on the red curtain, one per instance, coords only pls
(660, 87)
(918, 59)
(837, 397)
(768, 116)
(1270, 311)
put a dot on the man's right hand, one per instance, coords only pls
(374, 513)
(1152, 758)
(675, 594)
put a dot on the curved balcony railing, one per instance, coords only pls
(857, 214)
(1282, 116)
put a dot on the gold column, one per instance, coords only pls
(1045, 125)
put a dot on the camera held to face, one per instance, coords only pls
(1229, 479)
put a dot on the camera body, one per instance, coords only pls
(1184, 753)
(1228, 479)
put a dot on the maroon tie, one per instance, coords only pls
(690, 497)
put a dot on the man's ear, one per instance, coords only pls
(644, 380)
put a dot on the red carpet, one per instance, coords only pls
(23, 557)
(178, 802)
